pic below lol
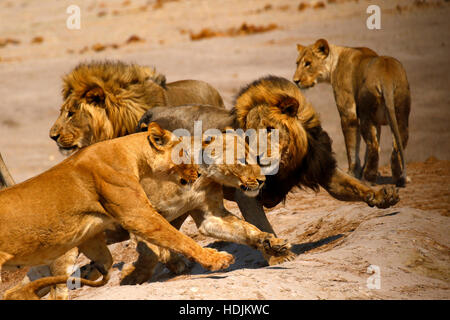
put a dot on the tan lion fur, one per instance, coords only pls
(370, 91)
(202, 198)
(105, 100)
(307, 159)
(30, 290)
(71, 204)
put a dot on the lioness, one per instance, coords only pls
(203, 200)
(71, 204)
(370, 91)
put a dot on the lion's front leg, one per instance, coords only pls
(253, 211)
(149, 255)
(350, 128)
(347, 188)
(223, 225)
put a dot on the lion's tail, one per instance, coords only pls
(29, 291)
(387, 88)
(6, 179)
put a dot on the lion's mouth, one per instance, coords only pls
(67, 151)
(248, 191)
(306, 86)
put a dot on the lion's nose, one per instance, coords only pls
(297, 81)
(54, 136)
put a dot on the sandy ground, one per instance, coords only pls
(336, 241)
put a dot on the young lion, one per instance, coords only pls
(370, 89)
(71, 204)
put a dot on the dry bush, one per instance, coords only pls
(37, 40)
(134, 38)
(244, 29)
(302, 6)
(319, 5)
(160, 3)
(5, 42)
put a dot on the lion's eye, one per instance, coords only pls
(69, 114)
(307, 64)
(269, 129)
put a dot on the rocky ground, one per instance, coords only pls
(230, 44)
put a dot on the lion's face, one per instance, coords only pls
(311, 64)
(73, 129)
(283, 118)
(246, 177)
(82, 121)
(104, 100)
(228, 160)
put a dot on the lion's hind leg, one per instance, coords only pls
(97, 251)
(142, 269)
(398, 171)
(64, 265)
(370, 133)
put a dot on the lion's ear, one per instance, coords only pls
(300, 47)
(95, 95)
(158, 137)
(322, 48)
(288, 105)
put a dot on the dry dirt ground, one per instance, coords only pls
(336, 242)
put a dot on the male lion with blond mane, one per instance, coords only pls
(105, 100)
(71, 204)
(370, 91)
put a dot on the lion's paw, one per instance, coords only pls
(131, 275)
(216, 260)
(178, 264)
(383, 198)
(277, 251)
(288, 256)
(275, 246)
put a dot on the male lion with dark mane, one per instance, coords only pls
(307, 159)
